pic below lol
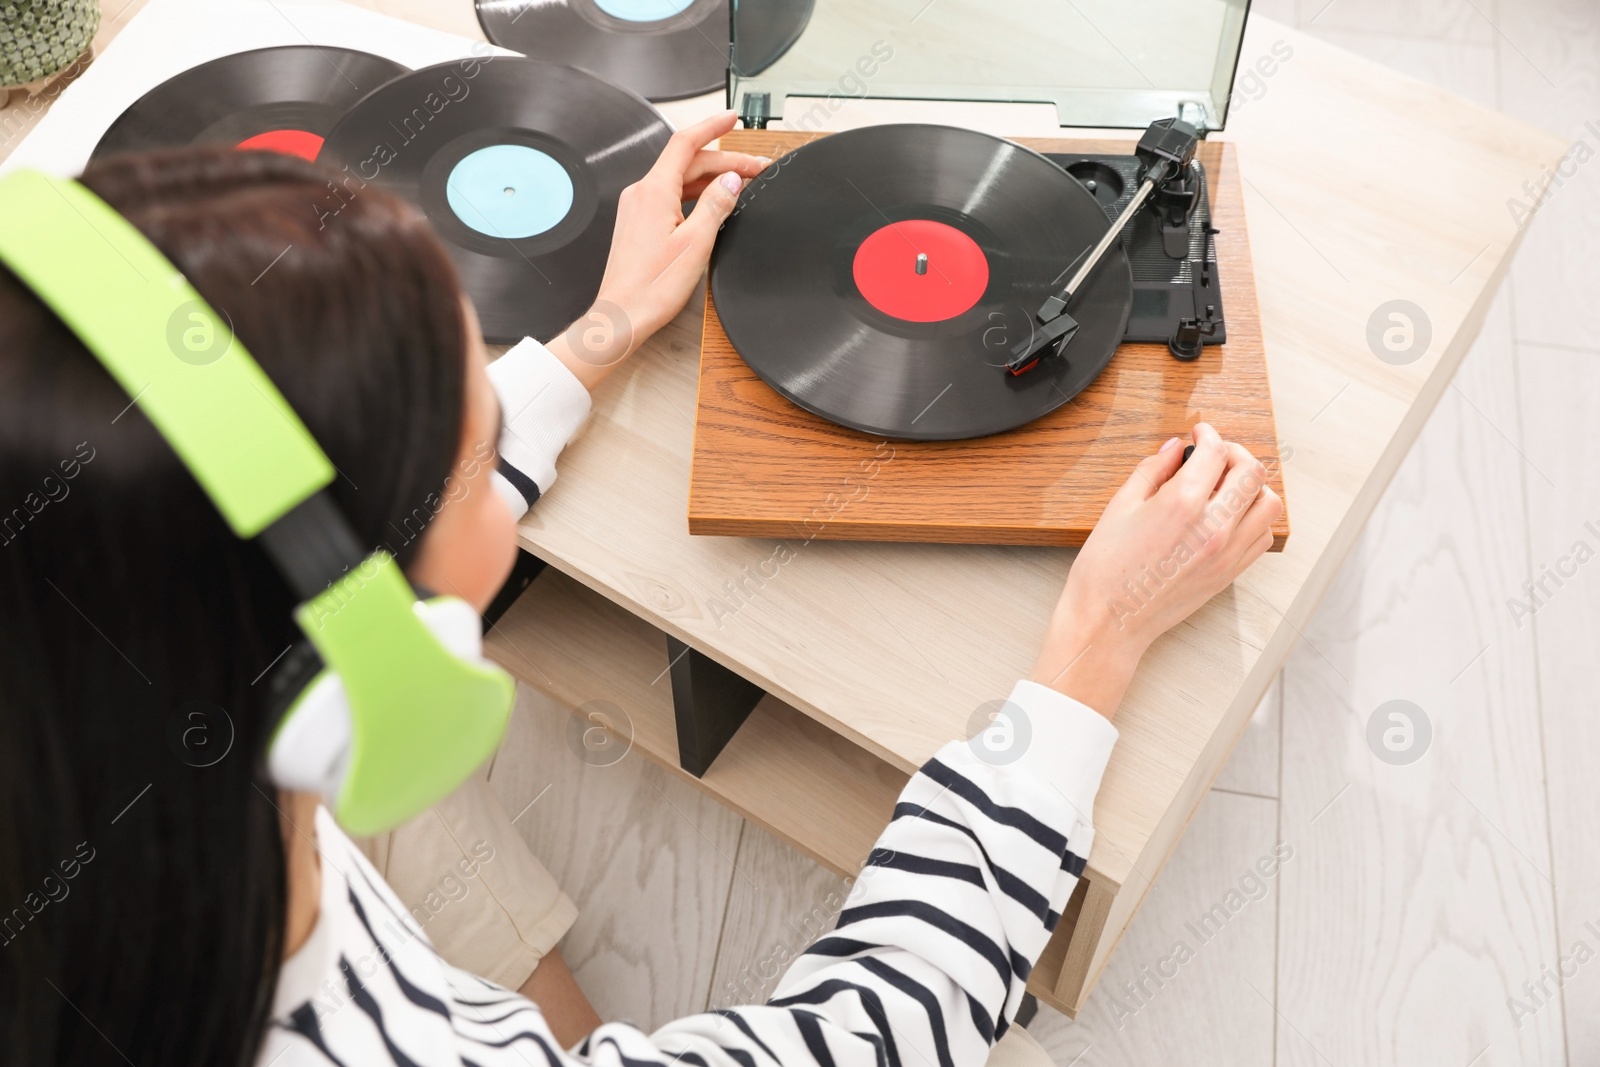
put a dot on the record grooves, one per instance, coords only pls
(286, 99)
(518, 164)
(878, 278)
(660, 49)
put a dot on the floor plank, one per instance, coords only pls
(1253, 767)
(648, 859)
(1423, 897)
(1550, 76)
(786, 904)
(1182, 988)
(1564, 622)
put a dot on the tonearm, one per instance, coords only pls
(1165, 152)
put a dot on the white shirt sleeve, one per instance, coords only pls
(1068, 747)
(543, 406)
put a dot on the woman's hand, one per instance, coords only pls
(1170, 540)
(657, 255)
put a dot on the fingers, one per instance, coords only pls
(1257, 521)
(1253, 551)
(680, 151)
(707, 165)
(1241, 486)
(1222, 483)
(1206, 465)
(699, 230)
(1152, 472)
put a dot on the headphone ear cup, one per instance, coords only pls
(427, 712)
(456, 624)
(310, 751)
(453, 621)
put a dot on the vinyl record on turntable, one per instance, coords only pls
(661, 49)
(879, 277)
(518, 166)
(284, 98)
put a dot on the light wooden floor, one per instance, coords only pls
(1419, 898)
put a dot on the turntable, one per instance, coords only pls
(925, 333)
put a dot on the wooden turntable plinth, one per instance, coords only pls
(764, 467)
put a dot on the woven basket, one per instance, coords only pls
(41, 37)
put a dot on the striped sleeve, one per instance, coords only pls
(542, 407)
(933, 948)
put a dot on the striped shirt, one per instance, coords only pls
(926, 965)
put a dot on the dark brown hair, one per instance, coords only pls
(142, 883)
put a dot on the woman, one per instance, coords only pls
(173, 909)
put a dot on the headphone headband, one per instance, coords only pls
(174, 355)
(406, 708)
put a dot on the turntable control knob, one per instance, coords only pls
(1091, 185)
(922, 262)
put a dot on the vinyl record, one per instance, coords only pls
(284, 98)
(661, 49)
(765, 29)
(518, 164)
(816, 281)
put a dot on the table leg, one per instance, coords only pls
(709, 702)
(527, 568)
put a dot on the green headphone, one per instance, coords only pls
(405, 707)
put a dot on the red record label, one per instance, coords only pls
(290, 142)
(952, 277)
